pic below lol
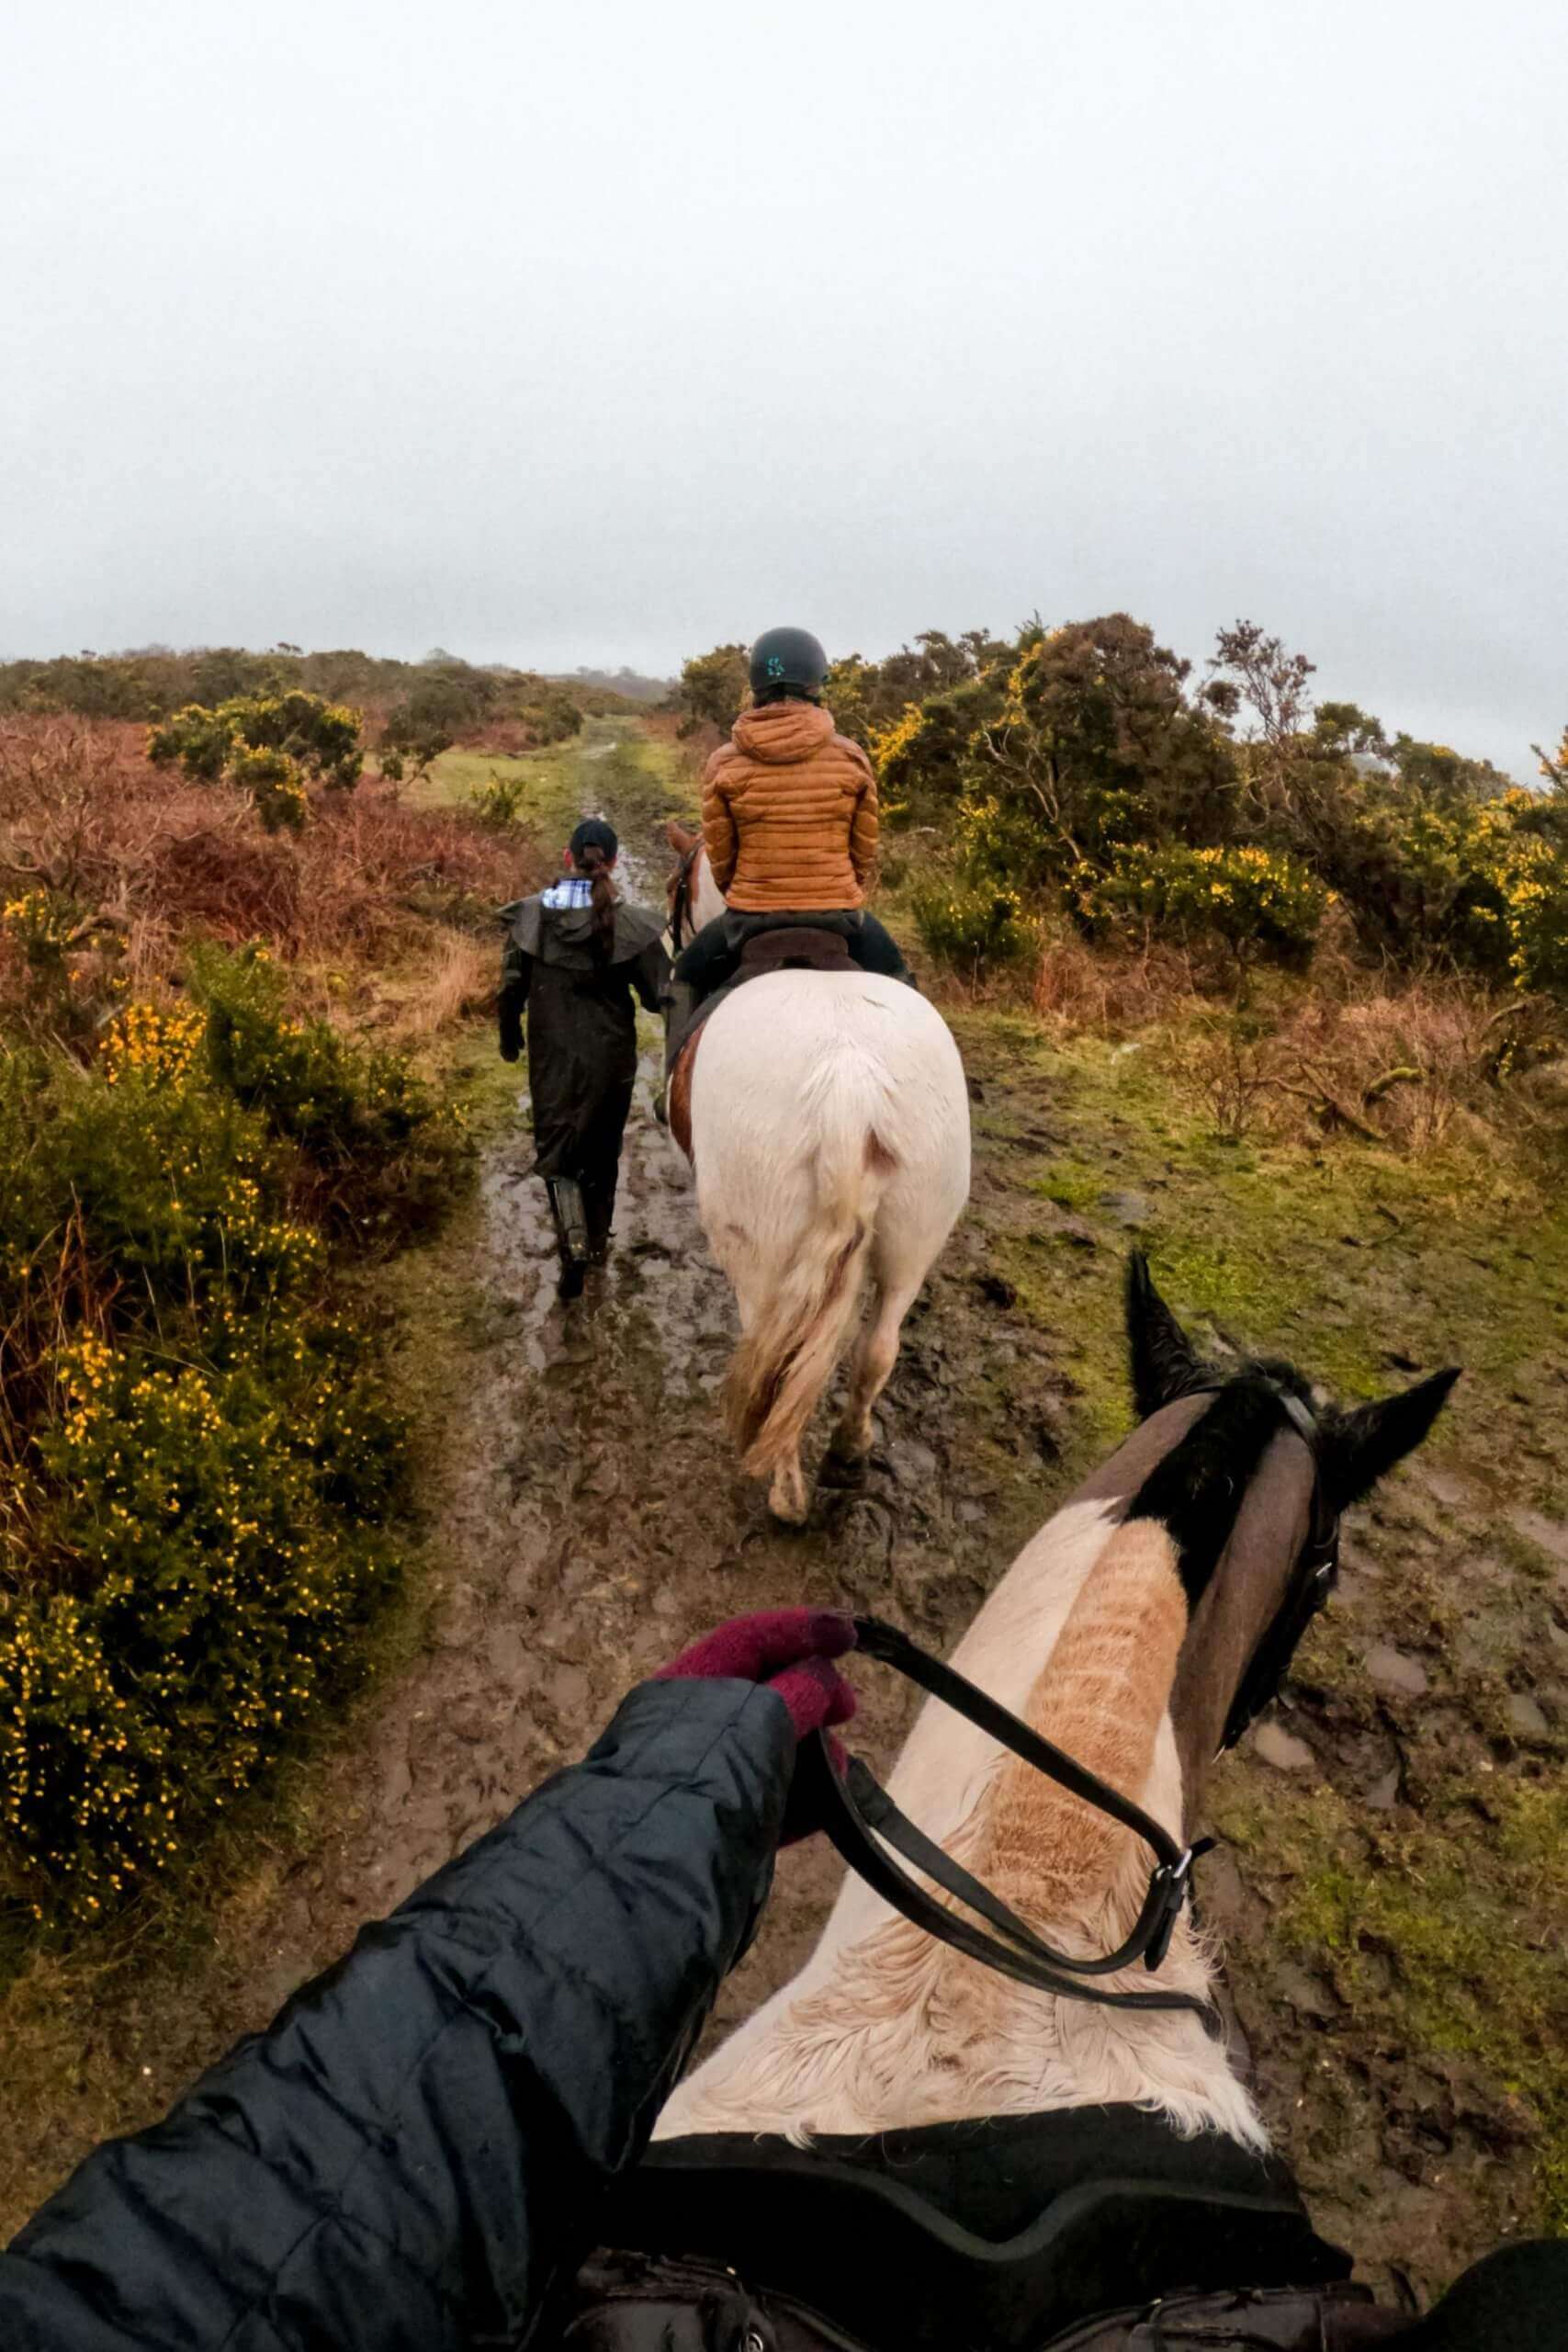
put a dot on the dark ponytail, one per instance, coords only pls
(592, 865)
(593, 848)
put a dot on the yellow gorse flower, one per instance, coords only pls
(146, 1042)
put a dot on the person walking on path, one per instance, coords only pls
(579, 957)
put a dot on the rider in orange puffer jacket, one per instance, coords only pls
(789, 812)
(789, 821)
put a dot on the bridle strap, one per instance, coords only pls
(1311, 1580)
(864, 1823)
(891, 1647)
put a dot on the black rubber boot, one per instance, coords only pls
(571, 1232)
(599, 1202)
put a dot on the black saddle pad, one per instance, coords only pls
(997, 2233)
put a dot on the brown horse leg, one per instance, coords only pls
(788, 1497)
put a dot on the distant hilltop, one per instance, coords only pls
(148, 681)
(629, 682)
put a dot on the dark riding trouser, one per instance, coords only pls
(714, 955)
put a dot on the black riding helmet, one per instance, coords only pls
(787, 661)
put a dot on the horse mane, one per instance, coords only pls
(901, 2028)
(1101, 1696)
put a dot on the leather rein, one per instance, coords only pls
(681, 897)
(870, 1831)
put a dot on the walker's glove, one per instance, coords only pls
(789, 1651)
(510, 1034)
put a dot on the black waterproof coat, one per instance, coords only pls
(416, 2148)
(581, 1022)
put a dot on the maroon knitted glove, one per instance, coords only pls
(791, 1651)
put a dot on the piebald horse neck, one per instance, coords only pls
(1121, 1635)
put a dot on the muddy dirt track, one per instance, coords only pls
(592, 1521)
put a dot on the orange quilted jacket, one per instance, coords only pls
(789, 812)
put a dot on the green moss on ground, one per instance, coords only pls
(1441, 1934)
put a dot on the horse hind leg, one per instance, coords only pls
(877, 1353)
(788, 1497)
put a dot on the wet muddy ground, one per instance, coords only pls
(583, 1520)
(589, 1522)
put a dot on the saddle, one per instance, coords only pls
(997, 2237)
(794, 948)
(651, 2303)
(799, 947)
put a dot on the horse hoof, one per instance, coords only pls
(842, 1470)
(791, 1504)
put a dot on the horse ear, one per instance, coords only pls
(679, 839)
(1361, 1447)
(1163, 1357)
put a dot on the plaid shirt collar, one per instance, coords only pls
(572, 891)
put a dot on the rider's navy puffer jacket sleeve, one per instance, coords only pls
(414, 2149)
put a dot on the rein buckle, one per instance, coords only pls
(1171, 1883)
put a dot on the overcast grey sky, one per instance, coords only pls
(601, 331)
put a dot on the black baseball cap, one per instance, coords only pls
(594, 834)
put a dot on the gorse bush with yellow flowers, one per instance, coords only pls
(267, 745)
(974, 927)
(207, 1542)
(40, 925)
(379, 1148)
(1256, 901)
(1485, 880)
(198, 1478)
(1087, 770)
(501, 800)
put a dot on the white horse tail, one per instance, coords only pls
(816, 1256)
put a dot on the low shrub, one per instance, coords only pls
(1253, 901)
(499, 800)
(312, 735)
(40, 926)
(217, 1539)
(974, 927)
(380, 1149)
(1515, 915)
(198, 1474)
(1111, 991)
(275, 786)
